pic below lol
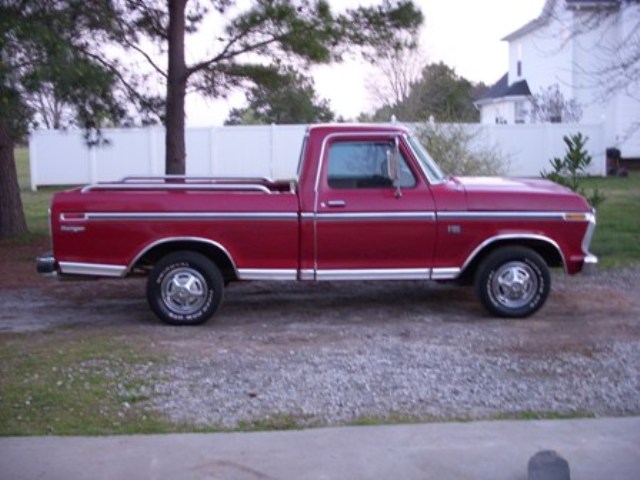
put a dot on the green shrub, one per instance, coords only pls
(573, 168)
(459, 151)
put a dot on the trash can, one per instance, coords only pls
(613, 161)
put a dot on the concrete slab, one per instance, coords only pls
(499, 450)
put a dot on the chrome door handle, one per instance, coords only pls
(336, 203)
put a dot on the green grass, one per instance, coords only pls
(546, 415)
(617, 238)
(403, 418)
(67, 384)
(22, 166)
(396, 419)
(35, 204)
(277, 422)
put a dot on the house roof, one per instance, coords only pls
(547, 13)
(502, 89)
(536, 23)
(592, 3)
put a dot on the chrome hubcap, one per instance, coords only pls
(514, 285)
(184, 291)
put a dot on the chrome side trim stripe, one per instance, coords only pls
(388, 216)
(307, 274)
(190, 216)
(375, 274)
(445, 273)
(95, 269)
(267, 274)
(383, 274)
(431, 216)
(501, 215)
(461, 215)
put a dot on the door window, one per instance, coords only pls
(356, 165)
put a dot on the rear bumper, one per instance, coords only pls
(46, 264)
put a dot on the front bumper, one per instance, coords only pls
(46, 264)
(590, 264)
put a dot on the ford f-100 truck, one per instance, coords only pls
(368, 204)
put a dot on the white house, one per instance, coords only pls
(590, 49)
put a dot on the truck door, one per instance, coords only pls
(366, 228)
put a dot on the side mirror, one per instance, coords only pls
(393, 166)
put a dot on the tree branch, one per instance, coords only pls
(225, 56)
(147, 57)
(132, 91)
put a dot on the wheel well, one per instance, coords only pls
(549, 253)
(213, 252)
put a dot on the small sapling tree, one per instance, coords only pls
(571, 169)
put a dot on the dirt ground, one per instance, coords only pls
(581, 309)
(334, 353)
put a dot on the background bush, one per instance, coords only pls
(462, 149)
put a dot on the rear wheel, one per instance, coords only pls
(185, 288)
(513, 282)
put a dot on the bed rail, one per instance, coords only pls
(192, 179)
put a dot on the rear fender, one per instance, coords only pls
(212, 249)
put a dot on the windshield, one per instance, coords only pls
(431, 169)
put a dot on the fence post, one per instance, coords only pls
(33, 162)
(151, 140)
(93, 165)
(272, 151)
(212, 150)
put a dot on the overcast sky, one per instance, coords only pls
(464, 34)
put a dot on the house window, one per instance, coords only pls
(555, 117)
(520, 113)
(519, 66)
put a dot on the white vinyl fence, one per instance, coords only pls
(62, 157)
(527, 148)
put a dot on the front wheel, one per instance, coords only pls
(185, 288)
(513, 282)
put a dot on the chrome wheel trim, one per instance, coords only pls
(184, 291)
(514, 285)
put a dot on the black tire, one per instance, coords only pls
(513, 282)
(185, 288)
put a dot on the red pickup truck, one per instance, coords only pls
(369, 204)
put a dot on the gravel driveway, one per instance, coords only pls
(335, 353)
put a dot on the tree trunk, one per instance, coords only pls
(176, 91)
(12, 222)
